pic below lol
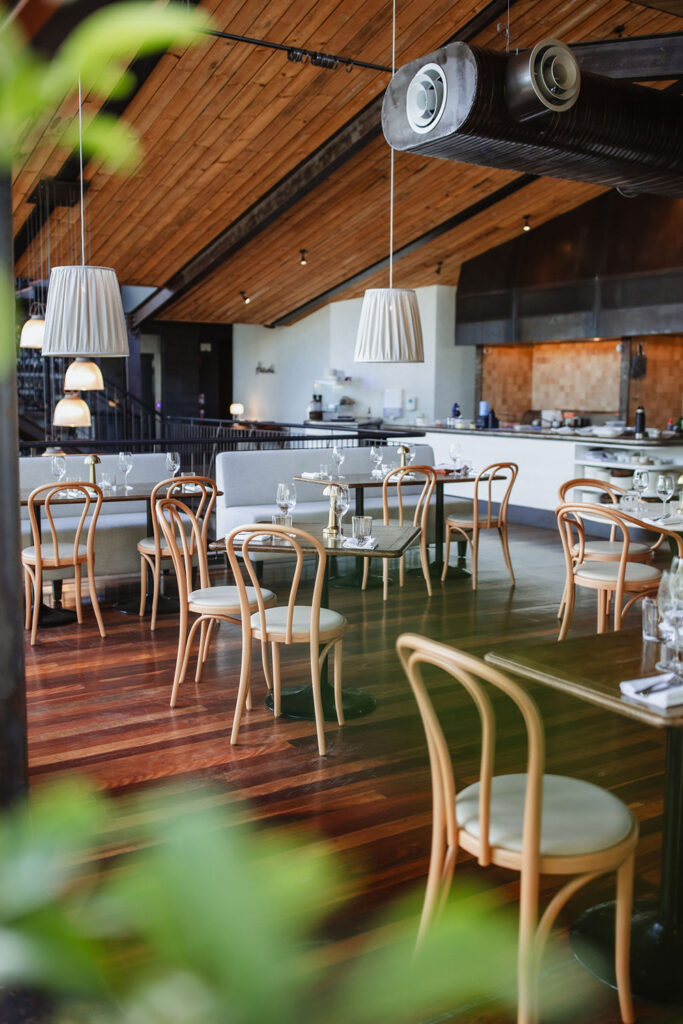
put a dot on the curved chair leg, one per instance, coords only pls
(92, 589)
(27, 599)
(424, 559)
(180, 658)
(447, 553)
(474, 548)
(264, 662)
(318, 702)
(244, 687)
(385, 578)
(201, 652)
(209, 634)
(568, 609)
(503, 534)
(338, 681)
(37, 595)
(401, 571)
(560, 610)
(156, 576)
(602, 610)
(366, 570)
(77, 592)
(622, 938)
(143, 585)
(275, 648)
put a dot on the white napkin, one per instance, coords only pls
(311, 476)
(368, 543)
(666, 697)
(445, 466)
(675, 520)
(241, 537)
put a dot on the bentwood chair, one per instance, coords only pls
(153, 550)
(467, 525)
(183, 534)
(68, 554)
(320, 628)
(603, 550)
(611, 579)
(405, 477)
(532, 823)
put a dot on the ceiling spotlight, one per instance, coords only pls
(527, 225)
(303, 261)
(439, 266)
(246, 298)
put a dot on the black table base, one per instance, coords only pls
(131, 605)
(297, 702)
(52, 618)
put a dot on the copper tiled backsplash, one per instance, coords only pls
(660, 392)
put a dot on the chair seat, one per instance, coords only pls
(66, 552)
(331, 622)
(223, 599)
(577, 817)
(610, 548)
(147, 544)
(636, 572)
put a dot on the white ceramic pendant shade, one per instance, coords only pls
(71, 411)
(84, 314)
(390, 330)
(83, 375)
(32, 333)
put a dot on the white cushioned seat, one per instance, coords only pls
(613, 547)
(147, 544)
(577, 817)
(66, 550)
(636, 572)
(460, 512)
(212, 599)
(276, 620)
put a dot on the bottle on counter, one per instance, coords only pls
(640, 423)
(493, 422)
(456, 411)
(315, 408)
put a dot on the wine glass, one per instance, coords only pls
(342, 503)
(641, 482)
(665, 490)
(172, 462)
(286, 498)
(58, 467)
(376, 457)
(674, 617)
(126, 464)
(455, 452)
(338, 457)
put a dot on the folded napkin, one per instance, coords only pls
(674, 520)
(241, 537)
(367, 544)
(443, 467)
(662, 696)
(311, 476)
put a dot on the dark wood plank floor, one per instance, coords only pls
(101, 707)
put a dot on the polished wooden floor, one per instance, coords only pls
(101, 707)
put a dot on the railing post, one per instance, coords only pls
(13, 742)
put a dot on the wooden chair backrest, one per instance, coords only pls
(486, 476)
(475, 676)
(611, 490)
(398, 476)
(173, 487)
(44, 495)
(184, 536)
(286, 537)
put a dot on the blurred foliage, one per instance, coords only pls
(192, 918)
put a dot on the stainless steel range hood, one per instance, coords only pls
(536, 112)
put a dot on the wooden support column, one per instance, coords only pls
(13, 742)
(625, 378)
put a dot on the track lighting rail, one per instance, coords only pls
(298, 55)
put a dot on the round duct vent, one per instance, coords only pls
(426, 98)
(545, 78)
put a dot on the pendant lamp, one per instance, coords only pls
(84, 313)
(390, 330)
(33, 330)
(71, 411)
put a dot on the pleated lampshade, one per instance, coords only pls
(390, 330)
(84, 314)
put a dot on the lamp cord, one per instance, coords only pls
(80, 155)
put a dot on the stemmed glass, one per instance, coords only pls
(670, 606)
(665, 490)
(455, 452)
(126, 464)
(58, 467)
(376, 457)
(338, 457)
(342, 503)
(286, 498)
(172, 462)
(641, 482)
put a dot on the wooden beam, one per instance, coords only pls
(312, 171)
(638, 59)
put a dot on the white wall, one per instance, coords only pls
(326, 339)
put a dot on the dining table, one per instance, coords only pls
(359, 483)
(591, 668)
(297, 701)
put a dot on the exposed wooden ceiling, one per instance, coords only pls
(223, 125)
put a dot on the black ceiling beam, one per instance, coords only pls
(429, 236)
(312, 171)
(637, 59)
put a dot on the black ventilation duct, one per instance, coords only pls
(537, 113)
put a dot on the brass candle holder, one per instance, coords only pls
(331, 531)
(91, 461)
(403, 450)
